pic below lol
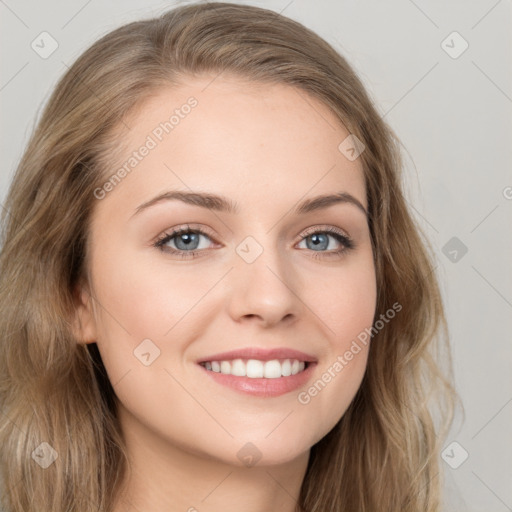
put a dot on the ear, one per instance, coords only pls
(84, 323)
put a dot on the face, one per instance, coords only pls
(245, 272)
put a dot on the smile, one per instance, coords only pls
(262, 372)
(256, 369)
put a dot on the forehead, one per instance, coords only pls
(236, 137)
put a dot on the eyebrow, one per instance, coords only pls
(223, 204)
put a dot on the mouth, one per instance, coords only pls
(259, 372)
(257, 369)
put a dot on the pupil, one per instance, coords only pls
(318, 239)
(186, 240)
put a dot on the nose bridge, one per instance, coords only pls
(262, 282)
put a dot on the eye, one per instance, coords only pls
(184, 242)
(318, 240)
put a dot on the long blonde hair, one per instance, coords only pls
(384, 452)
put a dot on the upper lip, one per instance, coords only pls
(260, 353)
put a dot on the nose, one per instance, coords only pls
(264, 291)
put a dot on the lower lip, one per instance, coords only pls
(263, 387)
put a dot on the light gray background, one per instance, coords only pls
(453, 116)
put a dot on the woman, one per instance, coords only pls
(290, 360)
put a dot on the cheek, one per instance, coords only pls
(347, 307)
(146, 300)
(141, 301)
(347, 302)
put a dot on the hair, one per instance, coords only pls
(383, 454)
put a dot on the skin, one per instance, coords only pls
(267, 148)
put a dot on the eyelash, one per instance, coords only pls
(343, 239)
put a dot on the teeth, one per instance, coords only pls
(255, 369)
(238, 368)
(272, 369)
(286, 368)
